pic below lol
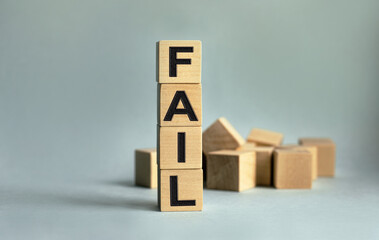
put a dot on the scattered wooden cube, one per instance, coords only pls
(221, 135)
(231, 170)
(292, 169)
(179, 105)
(218, 136)
(180, 190)
(326, 154)
(179, 147)
(179, 61)
(311, 149)
(265, 138)
(264, 159)
(146, 167)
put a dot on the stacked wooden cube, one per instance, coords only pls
(179, 147)
(233, 164)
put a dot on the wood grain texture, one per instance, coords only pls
(166, 93)
(231, 170)
(264, 168)
(168, 147)
(292, 169)
(146, 167)
(265, 137)
(326, 154)
(312, 150)
(247, 146)
(189, 187)
(221, 135)
(186, 73)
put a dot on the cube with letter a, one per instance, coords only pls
(179, 118)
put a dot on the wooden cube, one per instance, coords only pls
(264, 159)
(180, 190)
(231, 170)
(179, 147)
(221, 135)
(312, 150)
(179, 61)
(326, 154)
(265, 138)
(146, 167)
(292, 169)
(179, 105)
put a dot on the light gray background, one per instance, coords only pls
(78, 95)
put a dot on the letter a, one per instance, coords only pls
(173, 109)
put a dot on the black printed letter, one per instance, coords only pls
(174, 61)
(181, 147)
(174, 194)
(180, 96)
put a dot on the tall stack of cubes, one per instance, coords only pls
(179, 133)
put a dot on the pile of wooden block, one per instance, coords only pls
(231, 163)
